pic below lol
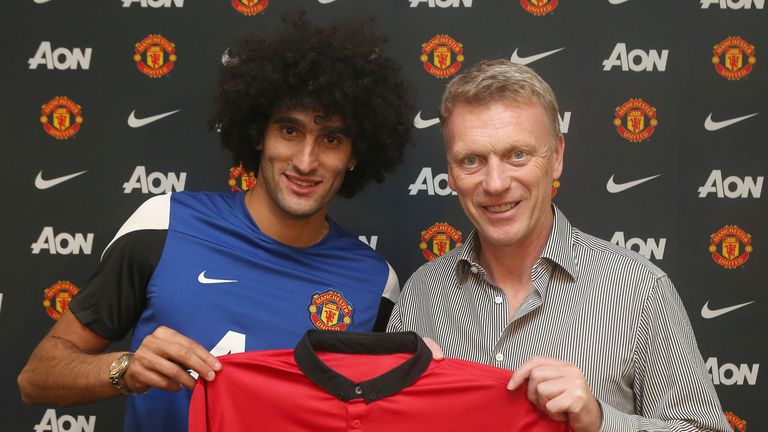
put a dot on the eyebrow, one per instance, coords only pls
(286, 119)
(324, 128)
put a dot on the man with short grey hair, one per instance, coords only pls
(599, 332)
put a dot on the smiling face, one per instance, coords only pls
(502, 159)
(303, 161)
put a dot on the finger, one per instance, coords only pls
(177, 348)
(522, 373)
(150, 371)
(581, 413)
(437, 352)
(539, 369)
(567, 394)
(172, 336)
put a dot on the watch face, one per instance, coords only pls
(119, 365)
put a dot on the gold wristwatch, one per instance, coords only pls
(117, 370)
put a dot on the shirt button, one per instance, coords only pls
(358, 390)
(498, 300)
(355, 423)
(499, 357)
(473, 269)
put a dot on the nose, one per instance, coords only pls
(497, 177)
(305, 157)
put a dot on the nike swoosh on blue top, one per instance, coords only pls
(206, 280)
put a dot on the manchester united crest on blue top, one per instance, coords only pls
(329, 310)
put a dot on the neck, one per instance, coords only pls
(296, 231)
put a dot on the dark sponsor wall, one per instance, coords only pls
(662, 104)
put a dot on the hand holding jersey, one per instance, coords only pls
(559, 389)
(163, 359)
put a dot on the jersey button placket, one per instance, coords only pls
(356, 414)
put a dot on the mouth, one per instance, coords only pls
(302, 184)
(500, 208)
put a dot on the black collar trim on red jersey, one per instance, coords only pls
(362, 343)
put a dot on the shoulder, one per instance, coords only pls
(341, 240)
(153, 214)
(436, 272)
(593, 252)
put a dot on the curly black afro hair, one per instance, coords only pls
(337, 70)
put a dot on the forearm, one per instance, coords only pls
(60, 373)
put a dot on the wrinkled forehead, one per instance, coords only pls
(496, 112)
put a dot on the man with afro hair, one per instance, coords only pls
(313, 112)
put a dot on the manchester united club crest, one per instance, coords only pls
(441, 236)
(442, 56)
(731, 246)
(539, 7)
(155, 56)
(241, 179)
(329, 310)
(635, 120)
(737, 424)
(61, 118)
(57, 298)
(250, 7)
(734, 58)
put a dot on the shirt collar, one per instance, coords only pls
(558, 249)
(379, 387)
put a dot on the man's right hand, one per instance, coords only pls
(163, 359)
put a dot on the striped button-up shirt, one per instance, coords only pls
(603, 308)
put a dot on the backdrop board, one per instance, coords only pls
(661, 102)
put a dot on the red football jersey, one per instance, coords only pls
(360, 382)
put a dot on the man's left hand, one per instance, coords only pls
(560, 390)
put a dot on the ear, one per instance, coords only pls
(259, 145)
(352, 163)
(557, 159)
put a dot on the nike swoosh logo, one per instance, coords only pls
(616, 2)
(530, 59)
(139, 122)
(325, 1)
(420, 123)
(613, 187)
(41, 183)
(712, 125)
(41, 1)
(205, 280)
(708, 313)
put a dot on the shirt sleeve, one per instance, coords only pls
(112, 299)
(673, 391)
(395, 322)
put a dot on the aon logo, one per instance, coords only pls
(66, 423)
